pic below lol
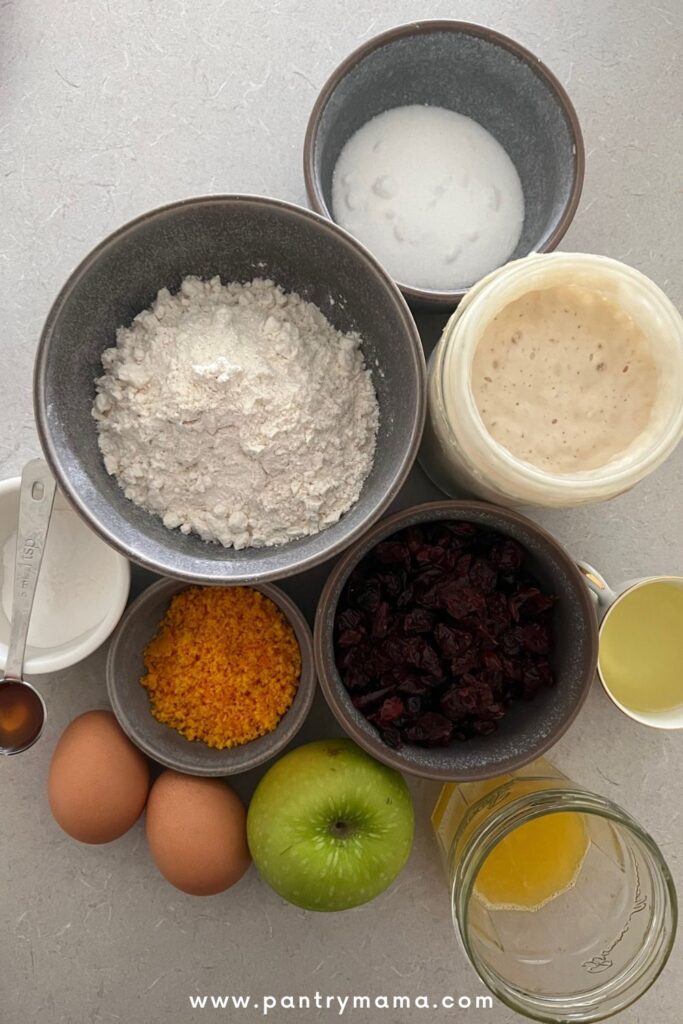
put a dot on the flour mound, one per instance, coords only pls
(237, 412)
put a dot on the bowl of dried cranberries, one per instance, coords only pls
(456, 640)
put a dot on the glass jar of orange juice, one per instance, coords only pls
(563, 903)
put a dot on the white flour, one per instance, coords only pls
(431, 193)
(237, 412)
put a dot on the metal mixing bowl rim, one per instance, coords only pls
(332, 686)
(424, 296)
(91, 518)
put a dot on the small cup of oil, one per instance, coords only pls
(640, 660)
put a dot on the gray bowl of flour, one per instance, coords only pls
(167, 524)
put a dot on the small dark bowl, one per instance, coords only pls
(529, 728)
(479, 73)
(130, 701)
(238, 238)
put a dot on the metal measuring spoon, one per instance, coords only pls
(22, 709)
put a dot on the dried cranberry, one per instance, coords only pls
(451, 705)
(413, 538)
(464, 602)
(535, 676)
(468, 692)
(377, 661)
(538, 603)
(349, 619)
(440, 533)
(392, 583)
(413, 686)
(465, 662)
(405, 598)
(439, 629)
(356, 678)
(391, 709)
(413, 706)
(429, 554)
(419, 620)
(493, 665)
(497, 609)
(484, 726)
(368, 595)
(392, 552)
(511, 643)
(507, 555)
(413, 648)
(432, 682)
(365, 700)
(430, 662)
(351, 637)
(431, 729)
(380, 621)
(483, 575)
(354, 667)
(535, 637)
(462, 566)
(427, 591)
(451, 640)
(512, 668)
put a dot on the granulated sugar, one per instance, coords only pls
(432, 194)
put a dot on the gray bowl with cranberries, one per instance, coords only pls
(456, 640)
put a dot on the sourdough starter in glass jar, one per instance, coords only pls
(556, 382)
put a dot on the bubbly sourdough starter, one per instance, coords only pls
(564, 379)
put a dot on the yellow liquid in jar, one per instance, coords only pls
(532, 865)
(641, 648)
(536, 862)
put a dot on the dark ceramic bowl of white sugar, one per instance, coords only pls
(237, 238)
(476, 72)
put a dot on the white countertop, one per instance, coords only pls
(110, 107)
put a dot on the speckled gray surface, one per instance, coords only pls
(110, 109)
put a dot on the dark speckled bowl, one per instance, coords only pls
(529, 728)
(477, 72)
(239, 238)
(130, 702)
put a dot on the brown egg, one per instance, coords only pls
(98, 781)
(197, 833)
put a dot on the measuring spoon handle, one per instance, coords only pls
(36, 497)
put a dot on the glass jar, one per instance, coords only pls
(594, 946)
(458, 452)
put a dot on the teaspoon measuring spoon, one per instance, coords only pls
(22, 709)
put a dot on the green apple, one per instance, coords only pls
(329, 827)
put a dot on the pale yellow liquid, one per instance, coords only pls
(535, 863)
(564, 379)
(641, 648)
